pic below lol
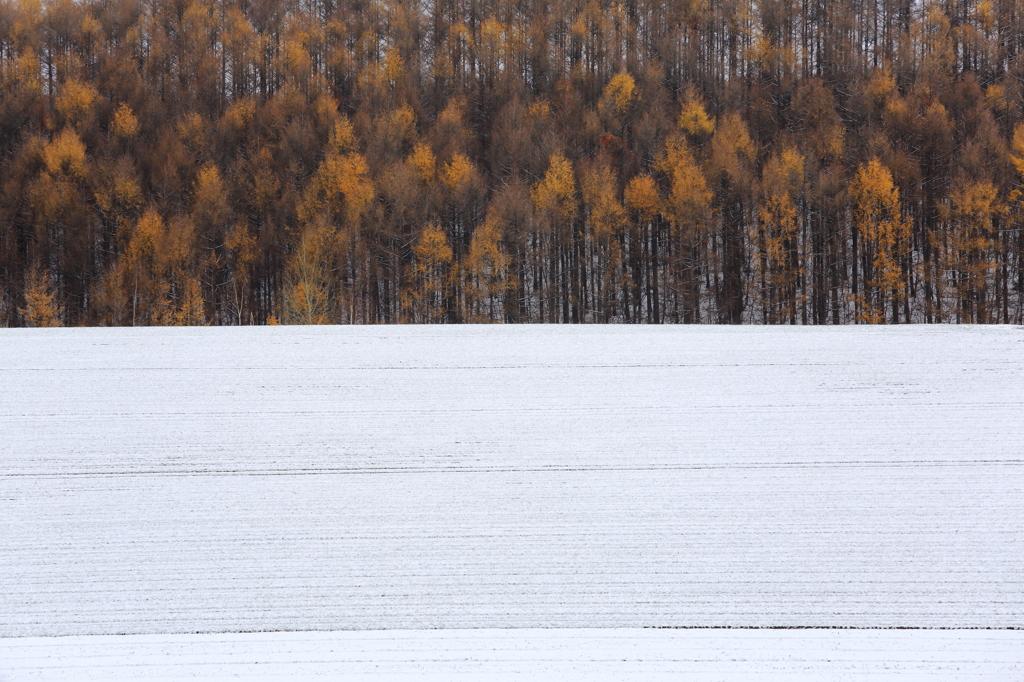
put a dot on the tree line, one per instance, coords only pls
(374, 161)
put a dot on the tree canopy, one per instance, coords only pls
(368, 161)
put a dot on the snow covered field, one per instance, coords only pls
(537, 655)
(247, 479)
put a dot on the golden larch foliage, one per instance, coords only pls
(971, 246)
(178, 248)
(486, 270)
(308, 293)
(41, 307)
(124, 124)
(342, 138)
(831, 142)
(1017, 150)
(432, 248)
(423, 161)
(556, 193)
(65, 154)
(884, 232)
(209, 185)
(402, 123)
(732, 148)
(775, 238)
(995, 98)
(343, 184)
(191, 311)
(297, 63)
(240, 114)
(458, 173)
(428, 296)
(539, 110)
(127, 194)
(606, 214)
(243, 247)
(27, 73)
(75, 100)
(642, 196)
(492, 39)
(192, 131)
(881, 85)
(606, 218)
(142, 246)
(394, 66)
(122, 198)
(211, 208)
(694, 119)
(689, 198)
(621, 91)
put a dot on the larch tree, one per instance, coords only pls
(971, 250)
(486, 269)
(555, 201)
(429, 296)
(605, 218)
(884, 233)
(41, 307)
(688, 207)
(776, 239)
(732, 153)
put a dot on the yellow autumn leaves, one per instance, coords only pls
(595, 235)
(883, 232)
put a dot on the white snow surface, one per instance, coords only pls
(219, 480)
(497, 655)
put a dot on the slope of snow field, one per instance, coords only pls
(248, 479)
(497, 655)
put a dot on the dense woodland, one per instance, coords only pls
(368, 161)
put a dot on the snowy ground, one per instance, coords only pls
(520, 655)
(224, 480)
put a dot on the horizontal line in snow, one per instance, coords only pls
(870, 464)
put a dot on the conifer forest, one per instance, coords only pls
(370, 161)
